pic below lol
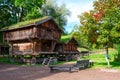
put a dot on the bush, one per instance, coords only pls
(117, 55)
(16, 56)
(27, 56)
(38, 56)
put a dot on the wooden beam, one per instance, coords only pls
(48, 52)
(53, 46)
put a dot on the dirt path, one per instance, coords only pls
(13, 72)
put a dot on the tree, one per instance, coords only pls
(88, 31)
(6, 13)
(13, 11)
(80, 36)
(29, 9)
(101, 25)
(59, 13)
(109, 24)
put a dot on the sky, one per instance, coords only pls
(76, 7)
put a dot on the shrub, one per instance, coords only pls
(28, 56)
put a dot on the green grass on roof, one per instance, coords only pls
(65, 38)
(25, 23)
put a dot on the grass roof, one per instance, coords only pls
(65, 38)
(25, 23)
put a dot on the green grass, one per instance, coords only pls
(100, 61)
(65, 38)
(5, 59)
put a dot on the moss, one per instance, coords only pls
(65, 38)
(25, 23)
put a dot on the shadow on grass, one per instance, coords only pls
(115, 64)
(99, 64)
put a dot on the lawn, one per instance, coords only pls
(100, 61)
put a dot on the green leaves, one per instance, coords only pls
(102, 24)
(59, 13)
(14, 11)
(29, 3)
(109, 26)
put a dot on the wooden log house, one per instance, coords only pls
(37, 37)
(67, 48)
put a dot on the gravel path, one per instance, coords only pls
(13, 72)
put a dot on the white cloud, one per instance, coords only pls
(76, 10)
(76, 7)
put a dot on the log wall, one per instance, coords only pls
(20, 34)
(69, 47)
(22, 48)
(34, 48)
(48, 30)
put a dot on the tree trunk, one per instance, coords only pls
(107, 56)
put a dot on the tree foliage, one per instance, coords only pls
(109, 24)
(13, 11)
(30, 8)
(59, 13)
(6, 12)
(88, 31)
(102, 24)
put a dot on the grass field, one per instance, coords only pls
(100, 61)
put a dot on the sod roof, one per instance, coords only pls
(27, 23)
(65, 38)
